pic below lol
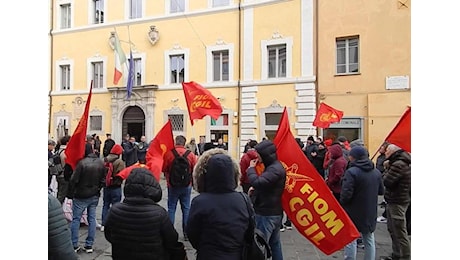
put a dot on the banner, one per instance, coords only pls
(327, 115)
(401, 133)
(75, 150)
(307, 200)
(162, 143)
(200, 102)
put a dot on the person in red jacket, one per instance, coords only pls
(336, 170)
(250, 154)
(182, 194)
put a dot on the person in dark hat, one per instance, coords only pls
(85, 189)
(361, 185)
(108, 144)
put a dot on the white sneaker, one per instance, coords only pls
(381, 219)
(282, 229)
(102, 228)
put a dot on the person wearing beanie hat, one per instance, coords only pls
(356, 142)
(139, 227)
(361, 186)
(112, 192)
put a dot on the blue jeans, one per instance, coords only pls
(111, 196)
(369, 248)
(270, 227)
(183, 195)
(78, 206)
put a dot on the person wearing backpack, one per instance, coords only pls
(112, 190)
(178, 167)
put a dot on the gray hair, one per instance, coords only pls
(393, 148)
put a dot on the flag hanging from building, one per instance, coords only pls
(401, 133)
(75, 150)
(200, 102)
(327, 115)
(162, 143)
(120, 59)
(130, 83)
(307, 200)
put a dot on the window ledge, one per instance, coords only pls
(347, 74)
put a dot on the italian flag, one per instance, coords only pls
(120, 59)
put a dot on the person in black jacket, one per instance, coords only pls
(129, 151)
(138, 228)
(265, 192)
(108, 144)
(361, 186)
(59, 242)
(85, 189)
(218, 216)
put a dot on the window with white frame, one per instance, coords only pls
(65, 77)
(97, 74)
(64, 74)
(66, 15)
(276, 58)
(177, 122)
(220, 65)
(217, 3)
(95, 123)
(177, 6)
(277, 61)
(269, 121)
(347, 55)
(97, 11)
(219, 62)
(135, 9)
(177, 68)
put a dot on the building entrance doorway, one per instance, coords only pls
(134, 122)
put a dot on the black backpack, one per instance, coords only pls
(180, 175)
(54, 164)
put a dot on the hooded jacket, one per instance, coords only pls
(59, 242)
(361, 185)
(139, 228)
(269, 186)
(337, 168)
(397, 178)
(218, 216)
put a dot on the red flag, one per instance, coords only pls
(126, 171)
(75, 150)
(307, 200)
(401, 133)
(200, 101)
(327, 115)
(162, 143)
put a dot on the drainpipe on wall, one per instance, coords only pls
(239, 79)
(51, 67)
(316, 61)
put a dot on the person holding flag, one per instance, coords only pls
(265, 192)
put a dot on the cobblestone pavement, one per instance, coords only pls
(294, 245)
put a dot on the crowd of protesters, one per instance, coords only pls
(215, 222)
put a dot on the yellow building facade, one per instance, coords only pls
(255, 56)
(364, 66)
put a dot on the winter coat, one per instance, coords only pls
(361, 185)
(129, 153)
(88, 178)
(118, 165)
(59, 242)
(138, 228)
(318, 161)
(269, 186)
(251, 154)
(397, 178)
(309, 149)
(337, 168)
(218, 216)
(141, 153)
